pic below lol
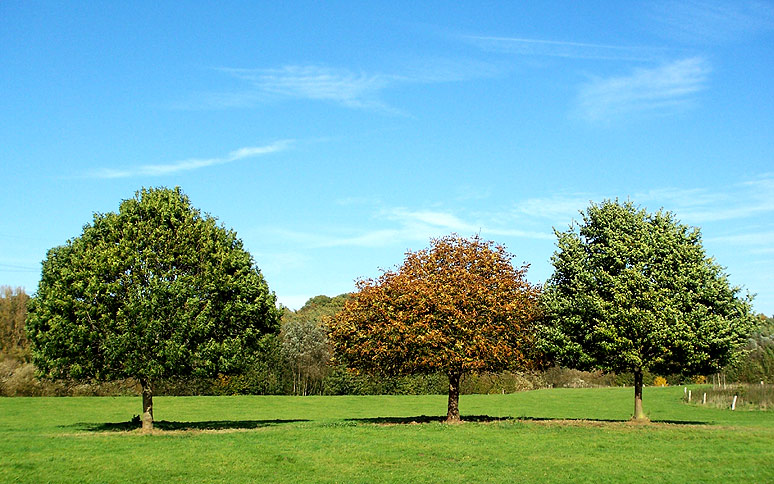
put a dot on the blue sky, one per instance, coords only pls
(334, 136)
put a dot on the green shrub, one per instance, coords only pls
(559, 377)
(504, 382)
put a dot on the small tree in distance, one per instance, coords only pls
(305, 349)
(633, 291)
(154, 291)
(13, 311)
(305, 345)
(458, 307)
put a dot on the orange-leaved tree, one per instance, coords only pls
(458, 307)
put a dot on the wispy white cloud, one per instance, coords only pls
(342, 86)
(731, 212)
(341, 238)
(534, 218)
(695, 206)
(750, 238)
(423, 224)
(660, 89)
(702, 21)
(280, 261)
(556, 209)
(191, 164)
(428, 218)
(355, 89)
(405, 226)
(736, 202)
(686, 198)
(565, 49)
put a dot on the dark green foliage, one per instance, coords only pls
(267, 374)
(636, 290)
(317, 308)
(342, 381)
(633, 291)
(155, 291)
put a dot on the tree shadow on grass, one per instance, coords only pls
(606, 420)
(489, 419)
(425, 419)
(167, 425)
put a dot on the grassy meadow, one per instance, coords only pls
(557, 435)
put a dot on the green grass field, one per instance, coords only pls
(560, 435)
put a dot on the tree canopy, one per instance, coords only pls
(153, 291)
(633, 291)
(13, 311)
(458, 307)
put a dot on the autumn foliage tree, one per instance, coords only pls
(458, 307)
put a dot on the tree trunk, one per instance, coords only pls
(453, 414)
(639, 415)
(147, 405)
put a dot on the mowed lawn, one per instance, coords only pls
(559, 435)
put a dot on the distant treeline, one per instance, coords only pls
(298, 361)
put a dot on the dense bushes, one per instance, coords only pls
(273, 377)
(18, 379)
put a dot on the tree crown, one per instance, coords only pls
(633, 290)
(153, 291)
(458, 306)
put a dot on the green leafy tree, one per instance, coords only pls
(306, 350)
(758, 362)
(13, 312)
(318, 308)
(455, 308)
(154, 291)
(305, 345)
(633, 291)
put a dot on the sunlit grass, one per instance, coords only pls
(560, 435)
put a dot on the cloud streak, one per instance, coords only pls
(713, 21)
(348, 88)
(409, 226)
(192, 163)
(558, 210)
(737, 202)
(660, 89)
(564, 49)
(342, 86)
